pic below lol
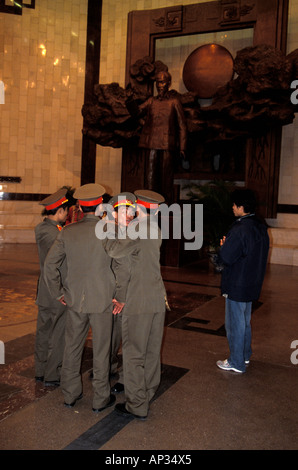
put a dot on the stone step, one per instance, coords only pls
(16, 234)
(283, 245)
(283, 236)
(28, 207)
(19, 228)
(17, 221)
(22, 219)
(284, 221)
(283, 254)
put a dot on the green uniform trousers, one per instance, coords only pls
(76, 331)
(49, 342)
(141, 344)
(115, 346)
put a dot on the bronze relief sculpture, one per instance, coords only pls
(262, 88)
(257, 100)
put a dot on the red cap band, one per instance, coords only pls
(148, 205)
(56, 204)
(95, 202)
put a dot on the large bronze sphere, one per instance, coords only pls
(206, 69)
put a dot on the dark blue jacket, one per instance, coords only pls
(244, 256)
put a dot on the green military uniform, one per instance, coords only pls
(123, 199)
(49, 341)
(144, 311)
(88, 292)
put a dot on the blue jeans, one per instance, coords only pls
(238, 329)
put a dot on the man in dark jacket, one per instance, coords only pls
(244, 257)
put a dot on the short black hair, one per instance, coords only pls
(87, 209)
(46, 212)
(245, 198)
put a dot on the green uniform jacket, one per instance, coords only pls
(89, 286)
(140, 260)
(45, 235)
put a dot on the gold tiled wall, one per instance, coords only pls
(288, 177)
(42, 65)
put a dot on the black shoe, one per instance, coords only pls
(52, 383)
(111, 402)
(39, 378)
(120, 408)
(71, 405)
(117, 388)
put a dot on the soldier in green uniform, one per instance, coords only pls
(49, 342)
(88, 292)
(123, 212)
(144, 310)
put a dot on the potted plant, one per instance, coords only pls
(217, 210)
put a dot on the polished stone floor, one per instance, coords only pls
(197, 407)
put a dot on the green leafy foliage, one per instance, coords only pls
(217, 209)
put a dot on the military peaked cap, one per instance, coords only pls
(55, 200)
(149, 199)
(123, 199)
(89, 194)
